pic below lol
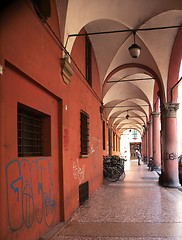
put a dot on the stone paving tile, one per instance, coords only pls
(114, 229)
(132, 204)
(128, 206)
(117, 238)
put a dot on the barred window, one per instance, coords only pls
(34, 132)
(84, 133)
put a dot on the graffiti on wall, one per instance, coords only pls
(171, 156)
(66, 139)
(94, 148)
(78, 172)
(29, 189)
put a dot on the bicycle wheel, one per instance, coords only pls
(122, 176)
(113, 175)
(120, 168)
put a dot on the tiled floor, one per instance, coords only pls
(136, 208)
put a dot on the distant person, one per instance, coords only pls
(138, 155)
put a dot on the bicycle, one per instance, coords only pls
(113, 167)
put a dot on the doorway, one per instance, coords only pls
(133, 147)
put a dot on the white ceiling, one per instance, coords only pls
(112, 55)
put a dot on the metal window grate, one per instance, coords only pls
(30, 126)
(84, 133)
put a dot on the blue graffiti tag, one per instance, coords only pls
(30, 188)
(16, 189)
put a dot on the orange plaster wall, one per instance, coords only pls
(81, 98)
(32, 76)
(174, 68)
(29, 46)
(156, 98)
(30, 185)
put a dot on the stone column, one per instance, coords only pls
(150, 143)
(169, 176)
(144, 145)
(156, 140)
(147, 142)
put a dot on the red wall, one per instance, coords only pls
(30, 57)
(31, 199)
(82, 98)
(174, 67)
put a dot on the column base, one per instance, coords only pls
(152, 167)
(163, 181)
(157, 169)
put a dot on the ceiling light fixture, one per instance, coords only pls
(134, 49)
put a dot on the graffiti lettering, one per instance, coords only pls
(171, 156)
(94, 149)
(78, 172)
(66, 139)
(30, 189)
(16, 189)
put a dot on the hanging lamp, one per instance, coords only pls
(134, 49)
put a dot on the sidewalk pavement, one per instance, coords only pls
(135, 208)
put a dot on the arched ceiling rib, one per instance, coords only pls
(111, 50)
(127, 105)
(123, 91)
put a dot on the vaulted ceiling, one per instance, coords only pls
(127, 83)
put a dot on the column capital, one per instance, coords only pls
(169, 109)
(148, 123)
(155, 114)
